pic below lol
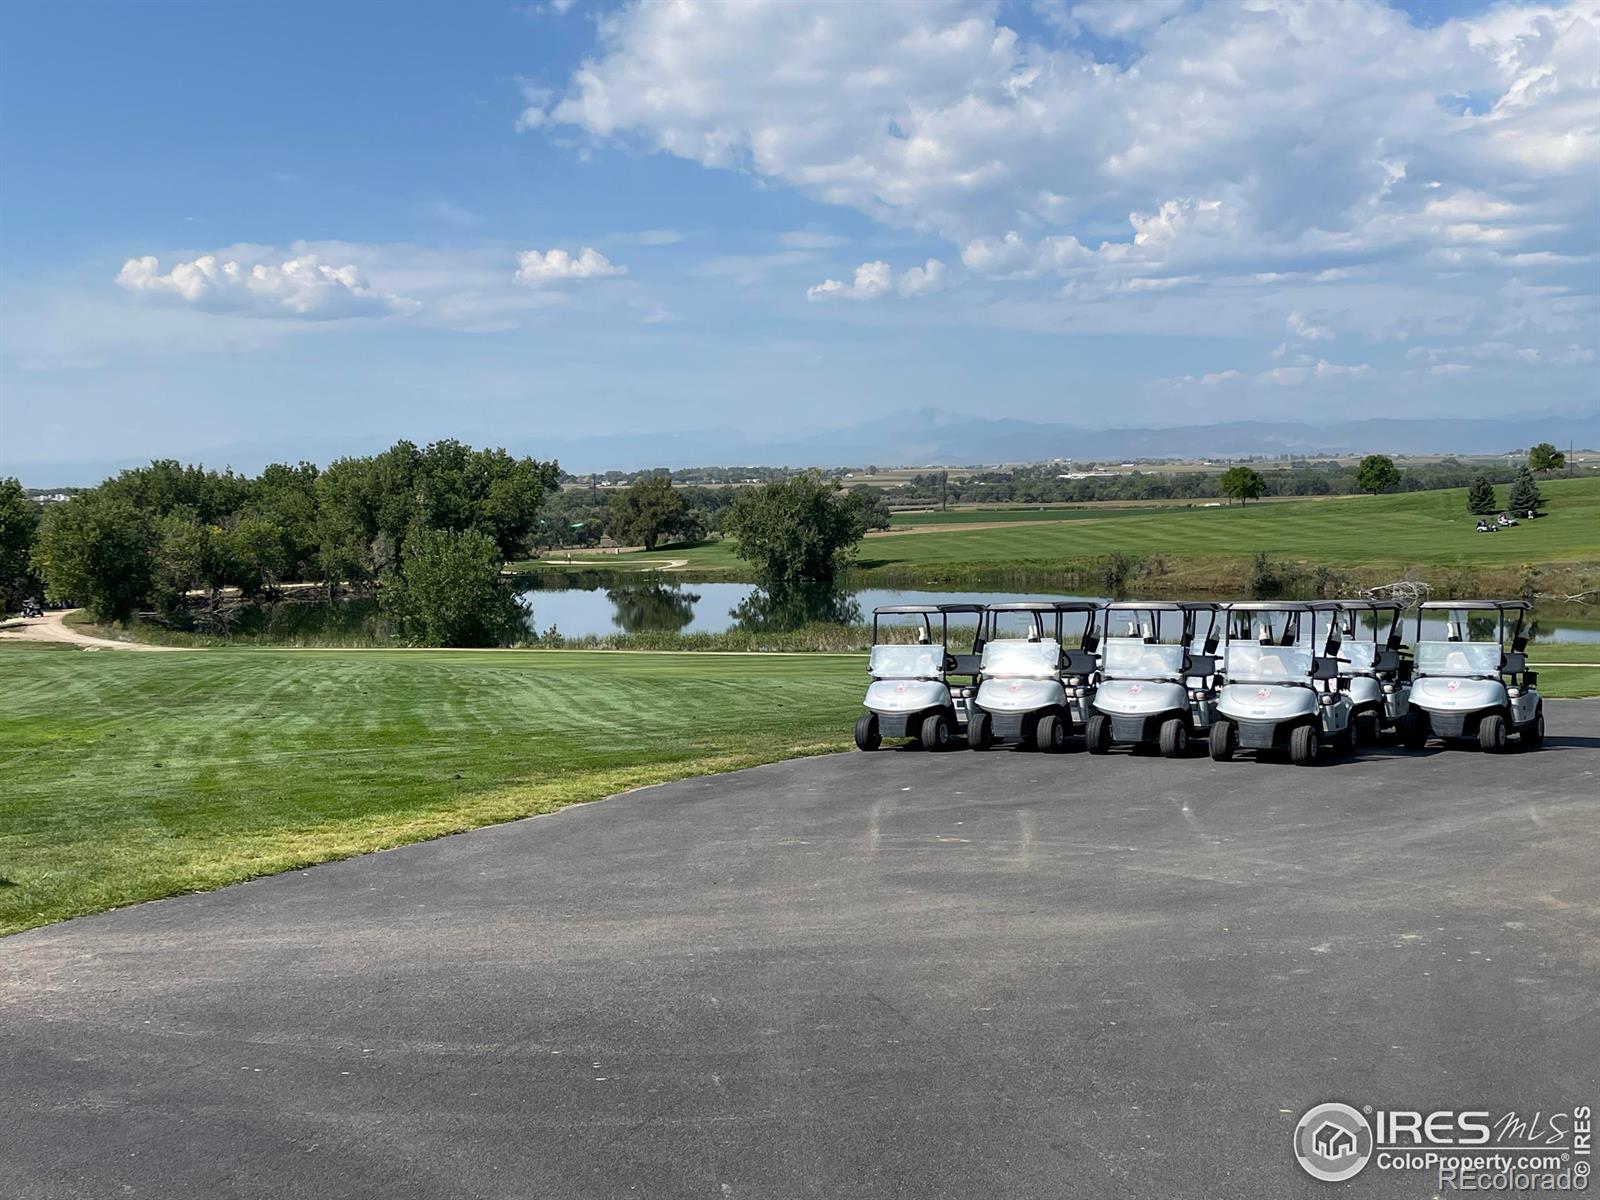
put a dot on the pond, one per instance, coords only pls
(656, 606)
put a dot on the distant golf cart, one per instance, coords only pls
(1475, 682)
(1283, 689)
(1037, 679)
(1377, 670)
(911, 693)
(1156, 687)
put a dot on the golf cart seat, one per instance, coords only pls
(1079, 662)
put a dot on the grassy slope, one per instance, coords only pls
(129, 777)
(1416, 528)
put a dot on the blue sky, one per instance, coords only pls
(237, 233)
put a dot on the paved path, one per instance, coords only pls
(891, 975)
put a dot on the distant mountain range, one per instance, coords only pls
(932, 437)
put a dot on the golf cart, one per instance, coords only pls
(1037, 681)
(1156, 687)
(1283, 689)
(911, 694)
(1377, 668)
(1475, 682)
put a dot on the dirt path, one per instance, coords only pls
(53, 627)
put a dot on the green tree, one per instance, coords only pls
(1480, 497)
(1545, 457)
(801, 529)
(96, 551)
(1377, 473)
(1242, 484)
(259, 554)
(187, 554)
(19, 525)
(448, 592)
(645, 510)
(874, 508)
(1525, 495)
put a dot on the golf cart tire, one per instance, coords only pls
(867, 735)
(1305, 745)
(1414, 730)
(935, 732)
(1366, 728)
(1174, 737)
(1050, 735)
(980, 731)
(1223, 741)
(1492, 734)
(1097, 734)
(1532, 735)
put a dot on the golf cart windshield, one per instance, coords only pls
(907, 662)
(1253, 663)
(1022, 659)
(1135, 658)
(1458, 658)
(1361, 656)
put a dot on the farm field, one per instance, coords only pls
(135, 776)
(1427, 529)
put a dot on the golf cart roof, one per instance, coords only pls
(1280, 606)
(1165, 605)
(926, 609)
(1046, 606)
(1483, 605)
(1372, 605)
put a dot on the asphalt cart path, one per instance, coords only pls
(897, 974)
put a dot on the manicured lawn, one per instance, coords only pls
(1430, 529)
(133, 776)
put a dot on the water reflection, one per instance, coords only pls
(652, 607)
(785, 609)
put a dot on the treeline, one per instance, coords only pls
(1043, 485)
(153, 537)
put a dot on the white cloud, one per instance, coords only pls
(1322, 369)
(303, 287)
(874, 279)
(1212, 379)
(1449, 368)
(537, 268)
(1306, 331)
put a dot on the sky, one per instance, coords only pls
(235, 233)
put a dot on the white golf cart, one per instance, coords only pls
(1374, 662)
(1282, 688)
(1157, 676)
(1475, 682)
(1038, 671)
(911, 693)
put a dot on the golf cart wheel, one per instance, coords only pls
(1174, 737)
(1492, 734)
(1224, 740)
(980, 731)
(1097, 735)
(867, 735)
(1050, 735)
(1365, 729)
(935, 732)
(1305, 744)
(1533, 733)
(1414, 729)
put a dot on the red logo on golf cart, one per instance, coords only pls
(1262, 693)
(899, 688)
(1136, 689)
(1453, 686)
(1015, 685)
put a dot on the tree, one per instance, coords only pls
(874, 508)
(1480, 497)
(19, 524)
(1545, 457)
(801, 529)
(1242, 484)
(648, 508)
(259, 555)
(447, 591)
(1377, 473)
(186, 553)
(1525, 495)
(96, 551)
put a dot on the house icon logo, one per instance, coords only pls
(1333, 1142)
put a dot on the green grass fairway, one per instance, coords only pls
(132, 776)
(1425, 529)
